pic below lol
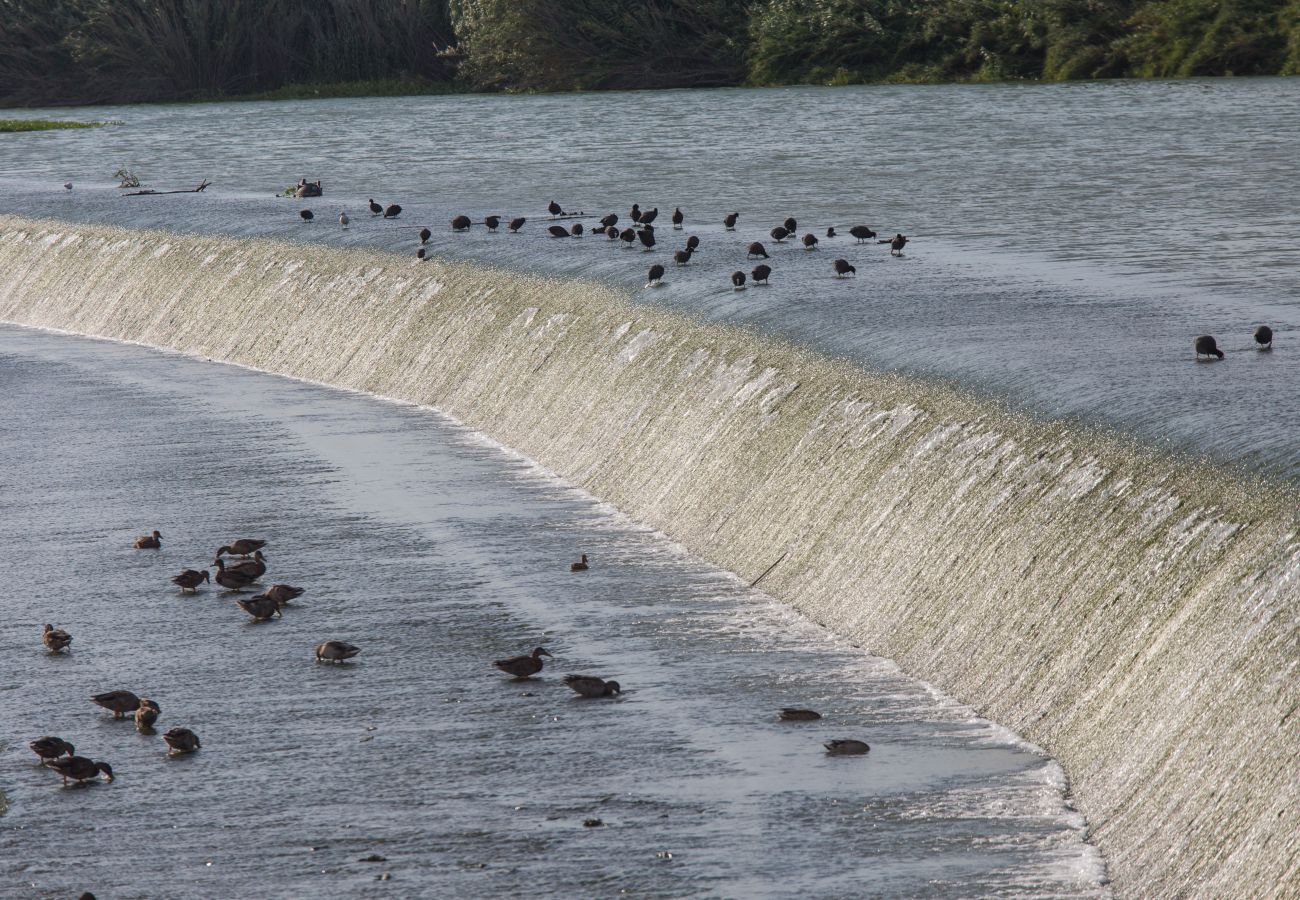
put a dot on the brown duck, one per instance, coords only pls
(260, 607)
(145, 715)
(523, 666)
(256, 567)
(149, 541)
(846, 747)
(243, 547)
(229, 578)
(281, 594)
(181, 740)
(794, 714)
(580, 565)
(591, 686)
(118, 702)
(80, 768)
(336, 651)
(56, 638)
(190, 579)
(48, 748)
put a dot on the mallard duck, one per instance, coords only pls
(181, 740)
(590, 686)
(729, 222)
(243, 547)
(580, 566)
(259, 607)
(523, 666)
(256, 567)
(281, 594)
(149, 541)
(393, 211)
(755, 250)
(779, 234)
(336, 651)
(846, 747)
(842, 268)
(794, 714)
(119, 702)
(48, 748)
(810, 242)
(492, 222)
(791, 225)
(862, 233)
(145, 715)
(80, 768)
(56, 638)
(760, 273)
(693, 243)
(230, 579)
(190, 579)
(738, 281)
(1205, 345)
(558, 231)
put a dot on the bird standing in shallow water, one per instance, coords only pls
(522, 667)
(897, 244)
(229, 579)
(779, 234)
(181, 740)
(1264, 337)
(56, 639)
(576, 230)
(343, 219)
(649, 216)
(336, 651)
(830, 232)
(149, 541)
(760, 274)
(656, 275)
(558, 231)
(190, 579)
(307, 215)
(48, 748)
(635, 214)
(118, 702)
(862, 233)
(755, 249)
(375, 208)
(791, 225)
(693, 243)
(516, 224)
(145, 715)
(555, 209)
(393, 211)
(610, 220)
(647, 237)
(738, 281)
(1205, 345)
(590, 686)
(627, 236)
(425, 233)
(420, 254)
(678, 218)
(459, 223)
(683, 257)
(491, 222)
(260, 607)
(244, 547)
(810, 242)
(843, 268)
(80, 768)
(729, 222)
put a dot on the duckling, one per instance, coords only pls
(336, 651)
(243, 547)
(181, 740)
(843, 268)
(48, 748)
(591, 686)
(794, 714)
(230, 579)
(56, 638)
(80, 768)
(149, 541)
(580, 566)
(145, 715)
(255, 567)
(260, 607)
(846, 747)
(190, 579)
(118, 702)
(281, 594)
(830, 232)
(523, 666)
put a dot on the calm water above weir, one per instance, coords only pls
(438, 552)
(1068, 241)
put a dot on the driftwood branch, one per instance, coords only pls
(150, 193)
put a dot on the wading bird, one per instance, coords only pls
(522, 667)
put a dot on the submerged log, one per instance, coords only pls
(148, 193)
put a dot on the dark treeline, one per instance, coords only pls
(91, 51)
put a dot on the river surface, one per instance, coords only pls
(437, 552)
(1068, 241)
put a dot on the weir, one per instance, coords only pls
(1132, 612)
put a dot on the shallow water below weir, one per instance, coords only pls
(436, 552)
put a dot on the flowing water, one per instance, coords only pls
(1131, 609)
(436, 553)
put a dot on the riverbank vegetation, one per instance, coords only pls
(102, 51)
(11, 125)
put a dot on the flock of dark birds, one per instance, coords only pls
(642, 231)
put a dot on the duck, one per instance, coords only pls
(420, 253)
(635, 214)
(830, 232)
(459, 223)
(613, 233)
(591, 686)
(48, 748)
(580, 565)
(145, 715)
(791, 225)
(656, 275)
(190, 579)
(56, 638)
(425, 233)
(896, 244)
(281, 594)
(558, 231)
(846, 747)
(779, 234)
(794, 714)
(492, 222)
(261, 608)
(555, 209)
(256, 567)
(693, 243)
(67, 185)
(118, 702)
(393, 211)
(627, 236)
(760, 273)
(516, 224)
(80, 768)
(610, 220)
(523, 666)
(755, 249)
(738, 281)
(1205, 345)
(306, 215)
(683, 257)
(149, 541)
(678, 218)
(576, 230)
(375, 208)
(810, 242)
(647, 238)
(336, 651)
(729, 222)
(343, 219)
(244, 547)
(843, 268)
(230, 579)
(181, 740)
(862, 233)
(649, 216)
(1264, 337)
